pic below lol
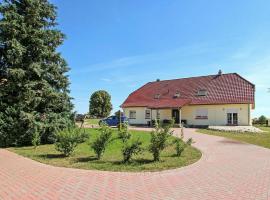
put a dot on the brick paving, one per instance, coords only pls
(228, 170)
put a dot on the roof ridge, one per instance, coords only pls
(191, 77)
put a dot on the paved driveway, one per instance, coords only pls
(228, 170)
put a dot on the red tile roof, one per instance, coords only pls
(220, 89)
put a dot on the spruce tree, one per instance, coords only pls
(34, 94)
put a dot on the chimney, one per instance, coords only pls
(220, 72)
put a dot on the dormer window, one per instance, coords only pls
(157, 96)
(177, 94)
(202, 93)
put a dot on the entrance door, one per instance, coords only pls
(232, 118)
(175, 116)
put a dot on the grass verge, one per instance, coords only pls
(260, 139)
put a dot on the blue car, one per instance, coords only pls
(113, 120)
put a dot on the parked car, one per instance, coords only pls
(113, 120)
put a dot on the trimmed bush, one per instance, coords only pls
(131, 149)
(100, 144)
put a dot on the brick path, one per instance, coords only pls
(228, 170)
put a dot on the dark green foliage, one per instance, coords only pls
(100, 144)
(158, 140)
(34, 95)
(131, 149)
(123, 133)
(262, 120)
(100, 104)
(68, 139)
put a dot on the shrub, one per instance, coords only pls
(189, 141)
(123, 133)
(131, 149)
(158, 140)
(262, 120)
(100, 144)
(36, 139)
(179, 146)
(82, 136)
(67, 140)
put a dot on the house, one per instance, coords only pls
(221, 99)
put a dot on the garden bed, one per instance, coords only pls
(84, 157)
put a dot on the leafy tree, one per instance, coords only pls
(100, 104)
(34, 94)
(262, 119)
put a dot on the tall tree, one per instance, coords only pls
(100, 104)
(34, 94)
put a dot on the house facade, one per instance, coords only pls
(216, 100)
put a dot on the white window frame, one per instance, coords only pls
(158, 114)
(147, 114)
(201, 113)
(132, 114)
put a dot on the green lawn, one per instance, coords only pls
(91, 121)
(84, 157)
(260, 139)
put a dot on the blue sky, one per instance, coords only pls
(120, 45)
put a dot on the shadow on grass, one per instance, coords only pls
(133, 162)
(86, 159)
(51, 156)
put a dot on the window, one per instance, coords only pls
(158, 114)
(147, 114)
(201, 113)
(232, 116)
(132, 114)
(177, 94)
(202, 93)
(157, 96)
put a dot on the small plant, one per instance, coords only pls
(82, 136)
(100, 144)
(67, 140)
(131, 149)
(189, 141)
(123, 133)
(158, 140)
(179, 146)
(36, 139)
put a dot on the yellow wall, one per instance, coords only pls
(140, 114)
(217, 114)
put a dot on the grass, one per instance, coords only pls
(91, 121)
(260, 139)
(84, 157)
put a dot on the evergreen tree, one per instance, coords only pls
(100, 104)
(34, 95)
